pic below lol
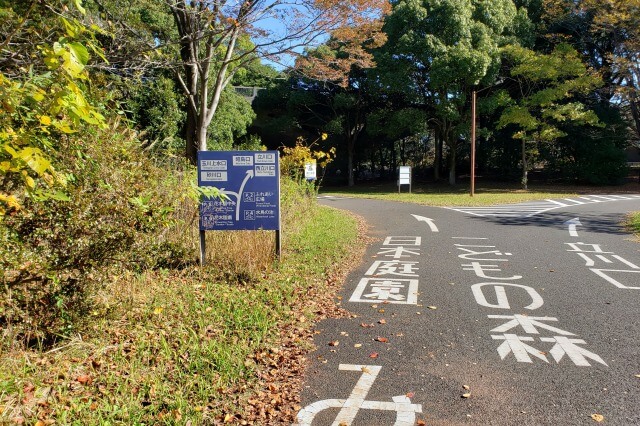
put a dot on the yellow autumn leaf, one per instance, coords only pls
(28, 180)
(597, 417)
(324, 136)
(10, 200)
(45, 120)
(158, 310)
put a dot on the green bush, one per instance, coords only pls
(54, 253)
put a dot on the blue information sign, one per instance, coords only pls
(250, 180)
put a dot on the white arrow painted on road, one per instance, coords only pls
(572, 226)
(429, 222)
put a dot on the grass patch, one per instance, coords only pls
(486, 194)
(633, 223)
(171, 347)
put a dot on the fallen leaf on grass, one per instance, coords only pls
(84, 379)
(381, 339)
(597, 417)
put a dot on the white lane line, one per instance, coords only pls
(468, 238)
(605, 198)
(560, 203)
(573, 201)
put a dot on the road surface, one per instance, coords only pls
(523, 314)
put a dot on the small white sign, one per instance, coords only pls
(242, 160)
(405, 175)
(213, 177)
(310, 170)
(262, 171)
(266, 158)
(213, 164)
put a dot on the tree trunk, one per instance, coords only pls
(437, 162)
(524, 165)
(452, 163)
(635, 113)
(350, 151)
(191, 146)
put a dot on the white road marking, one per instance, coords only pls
(429, 222)
(534, 208)
(573, 223)
(601, 273)
(405, 410)
(560, 203)
(501, 296)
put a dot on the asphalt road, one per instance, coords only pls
(522, 314)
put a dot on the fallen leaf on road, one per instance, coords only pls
(334, 343)
(382, 321)
(365, 370)
(466, 387)
(373, 355)
(421, 423)
(432, 307)
(381, 339)
(357, 345)
(638, 376)
(381, 311)
(466, 395)
(410, 394)
(365, 325)
(597, 417)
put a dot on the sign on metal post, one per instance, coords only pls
(404, 177)
(310, 170)
(251, 182)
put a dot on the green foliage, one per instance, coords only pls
(156, 111)
(634, 223)
(40, 109)
(544, 97)
(233, 117)
(55, 253)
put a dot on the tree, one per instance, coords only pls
(543, 91)
(208, 41)
(215, 41)
(607, 33)
(437, 51)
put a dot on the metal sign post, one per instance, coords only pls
(404, 177)
(250, 180)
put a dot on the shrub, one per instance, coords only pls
(55, 252)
